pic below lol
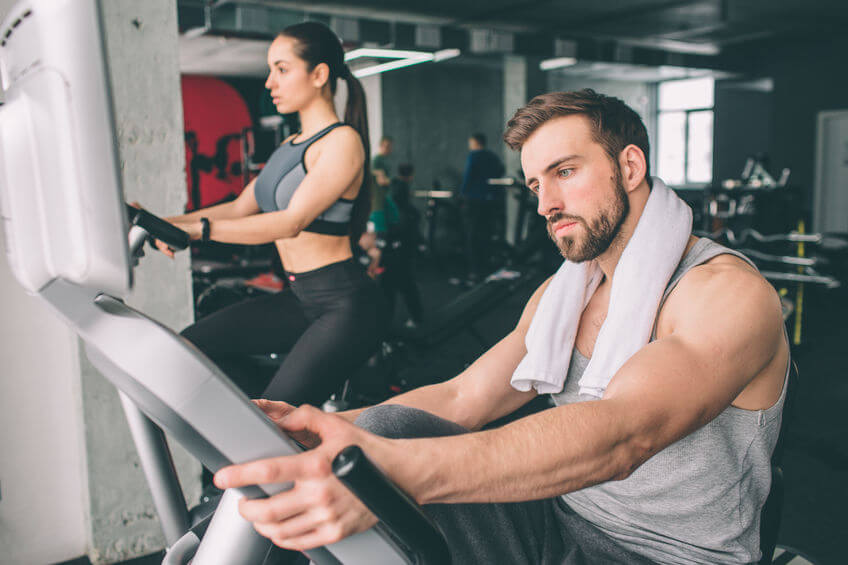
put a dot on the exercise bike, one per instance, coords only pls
(72, 243)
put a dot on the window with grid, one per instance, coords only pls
(685, 131)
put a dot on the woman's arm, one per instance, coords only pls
(334, 170)
(244, 205)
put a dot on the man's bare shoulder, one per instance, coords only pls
(723, 286)
(727, 315)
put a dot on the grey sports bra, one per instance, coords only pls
(284, 172)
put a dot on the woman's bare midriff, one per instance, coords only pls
(309, 251)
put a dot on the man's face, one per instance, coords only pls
(580, 190)
(386, 147)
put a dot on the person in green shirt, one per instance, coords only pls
(380, 164)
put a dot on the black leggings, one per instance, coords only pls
(329, 322)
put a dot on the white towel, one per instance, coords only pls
(640, 278)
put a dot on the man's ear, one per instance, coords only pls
(633, 166)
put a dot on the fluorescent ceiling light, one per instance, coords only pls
(402, 59)
(381, 68)
(377, 53)
(559, 62)
(445, 54)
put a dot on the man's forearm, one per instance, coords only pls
(547, 454)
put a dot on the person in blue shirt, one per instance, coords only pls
(480, 204)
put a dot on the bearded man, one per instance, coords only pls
(665, 356)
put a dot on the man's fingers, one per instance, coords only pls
(285, 469)
(294, 527)
(273, 408)
(306, 418)
(265, 471)
(325, 534)
(282, 506)
(263, 403)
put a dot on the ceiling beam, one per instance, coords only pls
(580, 24)
(490, 15)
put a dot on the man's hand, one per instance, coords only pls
(318, 510)
(277, 411)
(274, 409)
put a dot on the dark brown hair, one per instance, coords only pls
(614, 124)
(316, 44)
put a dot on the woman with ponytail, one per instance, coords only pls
(311, 198)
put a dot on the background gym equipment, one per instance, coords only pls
(216, 120)
(789, 261)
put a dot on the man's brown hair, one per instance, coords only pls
(614, 124)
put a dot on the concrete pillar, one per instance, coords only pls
(522, 81)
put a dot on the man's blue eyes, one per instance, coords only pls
(562, 173)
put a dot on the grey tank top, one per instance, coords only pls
(699, 499)
(284, 172)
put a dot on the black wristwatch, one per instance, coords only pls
(204, 229)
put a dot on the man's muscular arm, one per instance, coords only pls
(725, 332)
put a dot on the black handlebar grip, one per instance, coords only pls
(393, 507)
(158, 228)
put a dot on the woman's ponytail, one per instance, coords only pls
(356, 115)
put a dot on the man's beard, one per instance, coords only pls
(600, 234)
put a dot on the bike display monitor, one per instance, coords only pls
(61, 198)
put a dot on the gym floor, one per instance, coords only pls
(816, 457)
